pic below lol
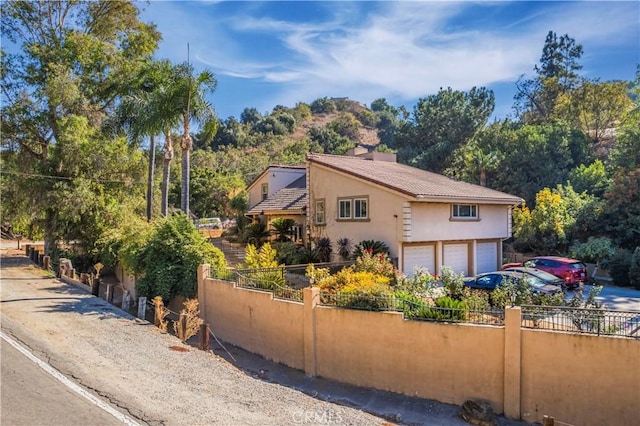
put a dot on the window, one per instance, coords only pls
(360, 208)
(353, 208)
(464, 211)
(344, 209)
(265, 191)
(320, 214)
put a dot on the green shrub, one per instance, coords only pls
(169, 260)
(446, 309)
(453, 283)
(344, 247)
(366, 290)
(322, 106)
(475, 300)
(323, 248)
(286, 252)
(512, 292)
(422, 283)
(409, 303)
(264, 257)
(374, 247)
(596, 250)
(619, 267)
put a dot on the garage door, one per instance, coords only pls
(486, 257)
(456, 257)
(418, 257)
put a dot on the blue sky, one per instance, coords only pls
(279, 53)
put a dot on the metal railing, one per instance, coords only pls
(268, 279)
(423, 311)
(582, 320)
(332, 266)
(287, 293)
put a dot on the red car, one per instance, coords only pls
(573, 272)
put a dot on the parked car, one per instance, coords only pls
(209, 223)
(539, 273)
(573, 272)
(490, 280)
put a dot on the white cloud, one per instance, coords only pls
(403, 50)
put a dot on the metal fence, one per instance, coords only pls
(268, 279)
(582, 320)
(413, 310)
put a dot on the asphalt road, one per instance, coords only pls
(618, 298)
(35, 394)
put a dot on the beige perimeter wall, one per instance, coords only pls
(577, 379)
(424, 359)
(584, 379)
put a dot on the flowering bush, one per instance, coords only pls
(377, 263)
(422, 283)
(350, 280)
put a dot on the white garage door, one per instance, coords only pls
(456, 257)
(418, 257)
(486, 257)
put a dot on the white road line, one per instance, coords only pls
(71, 385)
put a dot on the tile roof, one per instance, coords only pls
(411, 181)
(292, 197)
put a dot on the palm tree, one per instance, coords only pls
(144, 112)
(282, 228)
(189, 94)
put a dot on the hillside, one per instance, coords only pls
(367, 135)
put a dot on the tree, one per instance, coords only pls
(528, 157)
(346, 125)
(74, 59)
(536, 98)
(213, 188)
(595, 107)
(282, 228)
(323, 106)
(250, 116)
(548, 227)
(330, 141)
(592, 178)
(626, 152)
(621, 214)
(143, 112)
(440, 124)
(472, 164)
(188, 98)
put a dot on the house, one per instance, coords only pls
(280, 192)
(426, 219)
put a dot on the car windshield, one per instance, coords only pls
(534, 281)
(543, 275)
(577, 265)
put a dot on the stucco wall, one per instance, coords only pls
(255, 321)
(277, 178)
(449, 363)
(385, 209)
(431, 222)
(580, 379)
